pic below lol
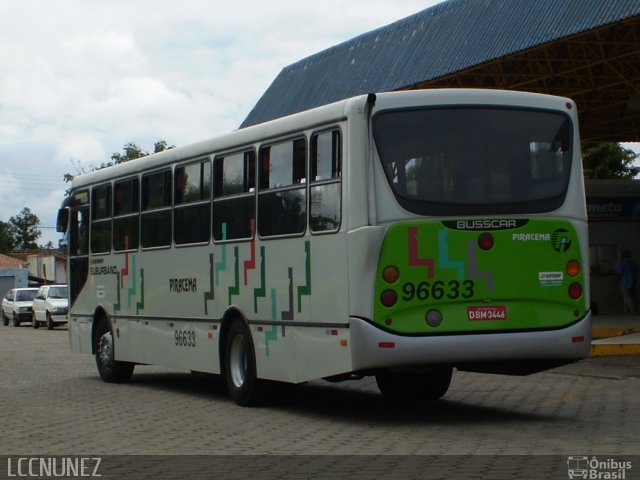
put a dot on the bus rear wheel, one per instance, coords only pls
(110, 370)
(414, 387)
(243, 384)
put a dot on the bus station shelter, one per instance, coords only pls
(587, 50)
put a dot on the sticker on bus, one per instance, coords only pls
(487, 312)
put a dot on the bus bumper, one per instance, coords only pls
(517, 353)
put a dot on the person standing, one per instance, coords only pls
(628, 275)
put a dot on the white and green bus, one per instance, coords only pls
(400, 235)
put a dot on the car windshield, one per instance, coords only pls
(58, 292)
(25, 295)
(475, 160)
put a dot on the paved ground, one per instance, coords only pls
(55, 404)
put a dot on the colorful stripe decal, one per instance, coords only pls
(251, 263)
(262, 290)
(414, 257)
(443, 255)
(210, 295)
(305, 289)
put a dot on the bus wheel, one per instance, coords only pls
(34, 322)
(409, 387)
(240, 366)
(110, 370)
(16, 320)
(50, 323)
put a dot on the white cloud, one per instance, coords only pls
(81, 78)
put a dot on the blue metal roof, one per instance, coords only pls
(439, 41)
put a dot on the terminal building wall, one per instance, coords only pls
(614, 226)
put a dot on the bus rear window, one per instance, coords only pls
(475, 160)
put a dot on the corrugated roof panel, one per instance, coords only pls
(446, 38)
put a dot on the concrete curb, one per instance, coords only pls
(616, 345)
(608, 332)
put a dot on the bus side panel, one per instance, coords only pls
(324, 351)
(306, 284)
(80, 335)
(129, 345)
(174, 301)
(275, 350)
(363, 252)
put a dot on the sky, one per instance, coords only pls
(79, 79)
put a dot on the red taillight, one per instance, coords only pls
(389, 298)
(573, 268)
(575, 291)
(391, 274)
(485, 241)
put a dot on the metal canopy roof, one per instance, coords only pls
(588, 50)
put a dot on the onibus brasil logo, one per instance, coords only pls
(594, 468)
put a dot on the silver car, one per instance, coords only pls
(17, 305)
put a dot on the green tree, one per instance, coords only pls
(162, 145)
(130, 151)
(23, 229)
(6, 241)
(608, 160)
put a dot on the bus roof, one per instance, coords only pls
(304, 120)
(236, 139)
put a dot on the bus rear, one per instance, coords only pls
(483, 260)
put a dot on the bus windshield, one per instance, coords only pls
(475, 160)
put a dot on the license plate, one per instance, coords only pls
(487, 312)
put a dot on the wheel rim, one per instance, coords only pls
(105, 349)
(238, 361)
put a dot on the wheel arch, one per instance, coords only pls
(98, 315)
(231, 315)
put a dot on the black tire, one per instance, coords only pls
(50, 323)
(110, 370)
(16, 320)
(240, 366)
(5, 320)
(34, 323)
(415, 388)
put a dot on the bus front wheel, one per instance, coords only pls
(110, 370)
(240, 366)
(414, 387)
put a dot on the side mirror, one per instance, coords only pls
(63, 220)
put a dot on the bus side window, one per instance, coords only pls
(79, 232)
(282, 203)
(126, 231)
(101, 219)
(155, 220)
(234, 201)
(192, 198)
(325, 190)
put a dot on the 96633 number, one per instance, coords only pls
(185, 338)
(438, 290)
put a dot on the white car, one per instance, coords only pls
(17, 305)
(50, 306)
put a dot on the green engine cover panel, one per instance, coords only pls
(480, 275)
